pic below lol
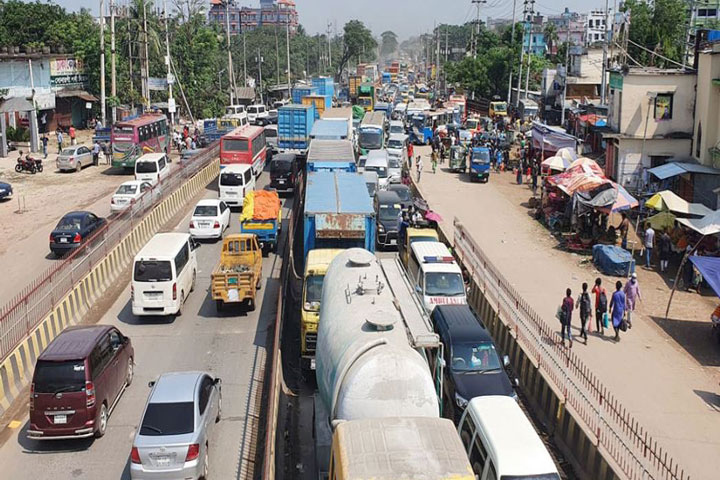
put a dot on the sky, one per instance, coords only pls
(405, 17)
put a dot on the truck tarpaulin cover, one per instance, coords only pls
(613, 260)
(548, 139)
(710, 269)
(260, 205)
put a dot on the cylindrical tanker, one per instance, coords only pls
(366, 367)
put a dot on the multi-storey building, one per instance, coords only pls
(270, 12)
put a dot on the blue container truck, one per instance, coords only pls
(330, 130)
(386, 77)
(295, 123)
(303, 91)
(338, 212)
(325, 86)
(331, 156)
(384, 107)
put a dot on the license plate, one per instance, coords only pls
(312, 364)
(393, 242)
(63, 240)
(162, 461)
(203, 224)
(281, 181)
(59, 419)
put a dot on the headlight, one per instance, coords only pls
(381, 229)
(460, 401)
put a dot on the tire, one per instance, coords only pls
(130, 372)
(251, 305)
(102, 421)
(182, 302)
(78, 166)
(33, 170)
(18, 168)
(192, 285)
(40, 168)
(206, 464)
(219, 414)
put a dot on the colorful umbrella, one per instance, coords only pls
(624, 200)
(567, 153)
(432, 216)
(557, 163)
(662, 221)
(586, 165)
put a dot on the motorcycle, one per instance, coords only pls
(29, 164)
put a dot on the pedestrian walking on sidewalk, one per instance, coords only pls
(410, 150)
(648, 243)
(44, 145)
(624, 227)
(567, 308)
(585, 305)
(601, 305)
(617, 309)
(434, 161)
(665, 247)
(632, 294)
(419, 167)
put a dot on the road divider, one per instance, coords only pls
(63, 295)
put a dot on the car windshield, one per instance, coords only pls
(370, 139)
(146, 167)
(397, 129)
(205, 211)
(56, 377)
(127, 189)
(475, 357)
(231, 179)
(471, 124)
(313, 292)
(152, 271)
(168, 419)
(398, 144)
(443, 284)
(253, 110)
(481, 157)
(235, 145)
(280, 166)
(68, 152)
(403, 193)
(389, 212)
(381, 171)
(69, 223)
(393, 162)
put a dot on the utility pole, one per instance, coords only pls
(260, 62)
(476, 37)
(437, 58)
(130, 59)
(567, 68)
(245, 57)
(522, 53)
(329, 30)
(447, 33)
(530, 42)
(113, 83)
(171, 100)
(230, 65)
(603, 85)
(102, 62)
(287, 46)
(146, 70)
(512, 43)
(277, 54)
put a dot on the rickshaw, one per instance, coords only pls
(445, 144)
(458, 159)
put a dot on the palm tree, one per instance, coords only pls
(551, 36)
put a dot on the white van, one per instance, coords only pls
(234, 183)
(152, 167)
(502, 443)
(435, 275)
(163, 275)
(397, 127)
(377, 161)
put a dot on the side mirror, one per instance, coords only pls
(442, 363)
(506, 361)
(418, 289)
(217, 381)
(516, 382)
(194, 244)
(151, 383)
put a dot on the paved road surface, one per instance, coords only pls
(664, 387)
(230, 345)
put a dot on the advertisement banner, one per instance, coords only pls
(157, 83)
(68, 72)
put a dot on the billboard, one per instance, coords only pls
(68, 72)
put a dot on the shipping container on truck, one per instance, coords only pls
(325, 86)
(321, 103)
(331, 156)
(330, 130)
(386, 77)
(300, 91)
(354, 81)
(338, 212)
(294, 126)
(341, 114)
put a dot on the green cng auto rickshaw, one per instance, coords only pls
(458, 158)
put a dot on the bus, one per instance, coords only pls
(498, 109)
(372, 132)
(244, 145)
(133, 138)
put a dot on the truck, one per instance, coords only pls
(325, 86)
(338, 212)
(341, 114)
(331, 156)
(238, 275)
(384, 107)
(294, 126)
(366, 96)
(262, 217)
(386, 78)
(354, 81)
(321, 102)
(373, 342)
(300, 91)
(330, 130)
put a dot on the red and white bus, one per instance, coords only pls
(131, 139)
(244, 145)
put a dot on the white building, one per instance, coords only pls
(595, 27)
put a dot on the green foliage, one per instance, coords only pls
(18, 134)
(389, 43)
(358, 43)
(659, 27)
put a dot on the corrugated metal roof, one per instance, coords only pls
(673, 169)
(329, 129)
(337, 192)
(331, 151)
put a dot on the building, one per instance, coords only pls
(534, 38)
(650, 118)
(595, 27)
(707, 14)
(270, 13)
(570, 27)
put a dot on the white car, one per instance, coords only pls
(258, 114)
(209, 219)
(132, 192)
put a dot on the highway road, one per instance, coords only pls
(231, 345)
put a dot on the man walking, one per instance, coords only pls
(617, 309)
(649, 243)
(419, 167)
(71, 132)
(44, 145)
(632, 294)
(624, 227)
(665, 246)
(567, 307)
(601, 305)
(585, 306)
(96, 153)
(59, 140)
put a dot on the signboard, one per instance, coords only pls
(616, 80)
(157, 83)
(172, 108)
(68, 72)
(663, 107)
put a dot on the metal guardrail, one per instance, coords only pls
(635, 452)
(28, 308)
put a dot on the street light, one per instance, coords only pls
(259, 59)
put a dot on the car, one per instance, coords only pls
(257, 114)
(403, 191)
(283, 172)
(74, 158)
(271, 137)
(132, 192)
(387, 212)
(73, 230)
(173, 440)
(210, 219)
(6, 191)
(78, 380)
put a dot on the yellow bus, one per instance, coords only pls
(498, 109)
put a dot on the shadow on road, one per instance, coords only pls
(711, 399)
(693, 336)
(126, 316)
(30, 446)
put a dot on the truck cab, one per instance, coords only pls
(239, 272)
(412, 235)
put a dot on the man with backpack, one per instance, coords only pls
(601, 305)
(585, 306)
(566, 316)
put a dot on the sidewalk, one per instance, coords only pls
(666, 373)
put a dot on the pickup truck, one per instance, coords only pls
(262, 217)
(239, 274)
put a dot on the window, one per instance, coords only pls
(205, 392)
(663, 106)
(699, 140)
(161, 163)
(712, 12)
(181, 259)
(168, 419)
(55, 377)
(100, 357)
(152, 271)
(248, 176)
(702, 12)
(235, 145)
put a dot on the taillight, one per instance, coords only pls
(135, 455)
(192, 224)
(217, 224)
(174, 291)
(193, 452)
(89, 394)
(32, 396)
(51, 238)
(77, 238)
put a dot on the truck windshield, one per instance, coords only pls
(381, 171)
(397, 129)
(471, 124)
(475, 357)
(370, 139)
(53, 377)
(313, 292)
(441, 284)
(389, 212)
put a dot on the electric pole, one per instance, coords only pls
(522, 53)
(146, 69)
(260, 62)
(476, 37)
(603, 85)
(277, 54)
(329, 27)
(287, 46)
(530, 42)
(171, 100)
(565, 82)
(113, 86)
(231, 76)
(245, 57)
(102, 62)
(512, 43)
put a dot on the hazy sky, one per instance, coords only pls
(404, 17)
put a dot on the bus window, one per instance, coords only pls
(235, 145)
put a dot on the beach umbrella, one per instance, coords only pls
(557, 163)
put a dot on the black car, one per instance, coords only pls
(73, 230)
(6, 190)
(473, 366)
(403, 191)
(283, 172)
(388, 208)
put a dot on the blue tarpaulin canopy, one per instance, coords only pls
(613, 260)
(710, 269)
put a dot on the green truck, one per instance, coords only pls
(366, 96)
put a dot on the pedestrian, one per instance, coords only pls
(632, 295)
(434, 161)
(665, 246)
(534, 174)
(44, 145)
(96, 153)
(624, 227)
(59, 136)
(566, 316)
(649, 243)
(585, 306)
(188, 143)
(601, 306)
(617, 309)
(518, 174)
(419, 167)
(411, 151)
(71, 132)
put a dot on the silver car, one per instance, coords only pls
(174, 434)
(74, 158)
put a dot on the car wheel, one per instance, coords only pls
(78, 166)
(251, 305)
(130, 372)
(102, 421)
(219, 414)
(180, 307)
(218, 305)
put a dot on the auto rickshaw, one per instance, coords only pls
(445, 145)
(458, 159)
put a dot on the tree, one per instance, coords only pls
(358, 43)
(657, 28)
(551, 37)
(389, 43)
